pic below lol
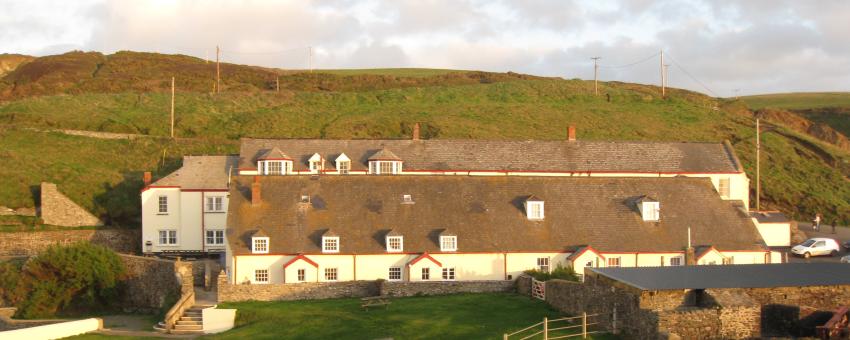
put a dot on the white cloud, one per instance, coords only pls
(758, 46)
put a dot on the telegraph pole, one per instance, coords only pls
(666, 74)
(595, 75)
(663, 92)
(736, 93)
(310, 58)
(277, 83)
(172, 107)
(758, 165)
(217, 71)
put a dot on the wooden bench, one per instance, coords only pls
(374, 301)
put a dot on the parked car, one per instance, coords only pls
(845, 259)
(846, 246)
(816, 247)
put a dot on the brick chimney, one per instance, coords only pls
(256, 198)
(571, 133)
(416, 131)
(147, 178)
(690, 257)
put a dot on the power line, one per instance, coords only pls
(675, 63)
(632, 64)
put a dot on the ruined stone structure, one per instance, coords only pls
(58, 209)
(29, 243)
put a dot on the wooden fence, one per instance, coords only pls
(565, 328)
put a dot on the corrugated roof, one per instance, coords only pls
(486, 213)
(731, 276)
(201, 172)
(564, 156)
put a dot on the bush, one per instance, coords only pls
(81, 275)
(560, 272)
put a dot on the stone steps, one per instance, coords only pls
(191, 322)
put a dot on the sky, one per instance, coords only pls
(718, 47)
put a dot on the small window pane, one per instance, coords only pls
(302, 275)
(543, 264)
(395, 274)
(163, 204)
(448, 273)
(330, 274)
(261, 275)
(426, 274)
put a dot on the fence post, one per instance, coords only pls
(614, 321)
(505, 337)
(545, 328)
(584, 325)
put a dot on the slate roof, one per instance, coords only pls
(201, 172)
(486, 213)
(504, 155)
(769, 217)
(731, 276)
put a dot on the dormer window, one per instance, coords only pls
(534, 208)
(343, 164)
(448, 243)
(330, 244)
(260, 245)
(384, 162)
(395, 244)
(650, 209)
(274, 162)
(316, 163)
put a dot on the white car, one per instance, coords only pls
(816, 247)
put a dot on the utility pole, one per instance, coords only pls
(595, 75)
(663, 92)
(666, 74)
(758, 165)
(277, 83)
(310, 58)
(217, 70)
(172, 107)
(736, 93)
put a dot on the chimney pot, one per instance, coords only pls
(147, 178)
(416, 131)
(256, 197)
(571, 133)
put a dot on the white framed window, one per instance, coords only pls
(407, 199)
(344, 167)
(543, 264)
(426, 274)
(448, 243)
(613, 262)
(315, 163)
(260, 245)
(675, 261)
(168, 237)
(534, 210)
(330, 274)
(275, 167)
(723, 187)
(395, 244)
(330, 244)
(163, 204)
(261, 276)
(394, 274)
(384, 167)
(215, 237)
(650, 211)
(215, 204)
(302, 275)
(448, 274)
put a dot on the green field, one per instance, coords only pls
(397, 72)
(798, 100)
(103, 175)
(464, 316)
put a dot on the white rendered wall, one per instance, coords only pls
(775, 234)
(54, 331)
(153, 221)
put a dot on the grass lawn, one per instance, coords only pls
(465, 316)
(799, 100)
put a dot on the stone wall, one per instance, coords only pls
(294, 291)
(445, 287)
(29, 243)
(523, 285)
(58, 209)
(205, 272)
(153, 284)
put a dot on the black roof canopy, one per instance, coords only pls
(731, 276)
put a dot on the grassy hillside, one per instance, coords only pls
(103, 174)
(798, 100)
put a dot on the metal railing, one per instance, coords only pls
(564, 328)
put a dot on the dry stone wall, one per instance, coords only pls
(58, 209)
(153, 284)
(32, 242)
(444, 288)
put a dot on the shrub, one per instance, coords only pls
(83, 275)
(560, 272)
(11, 289)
